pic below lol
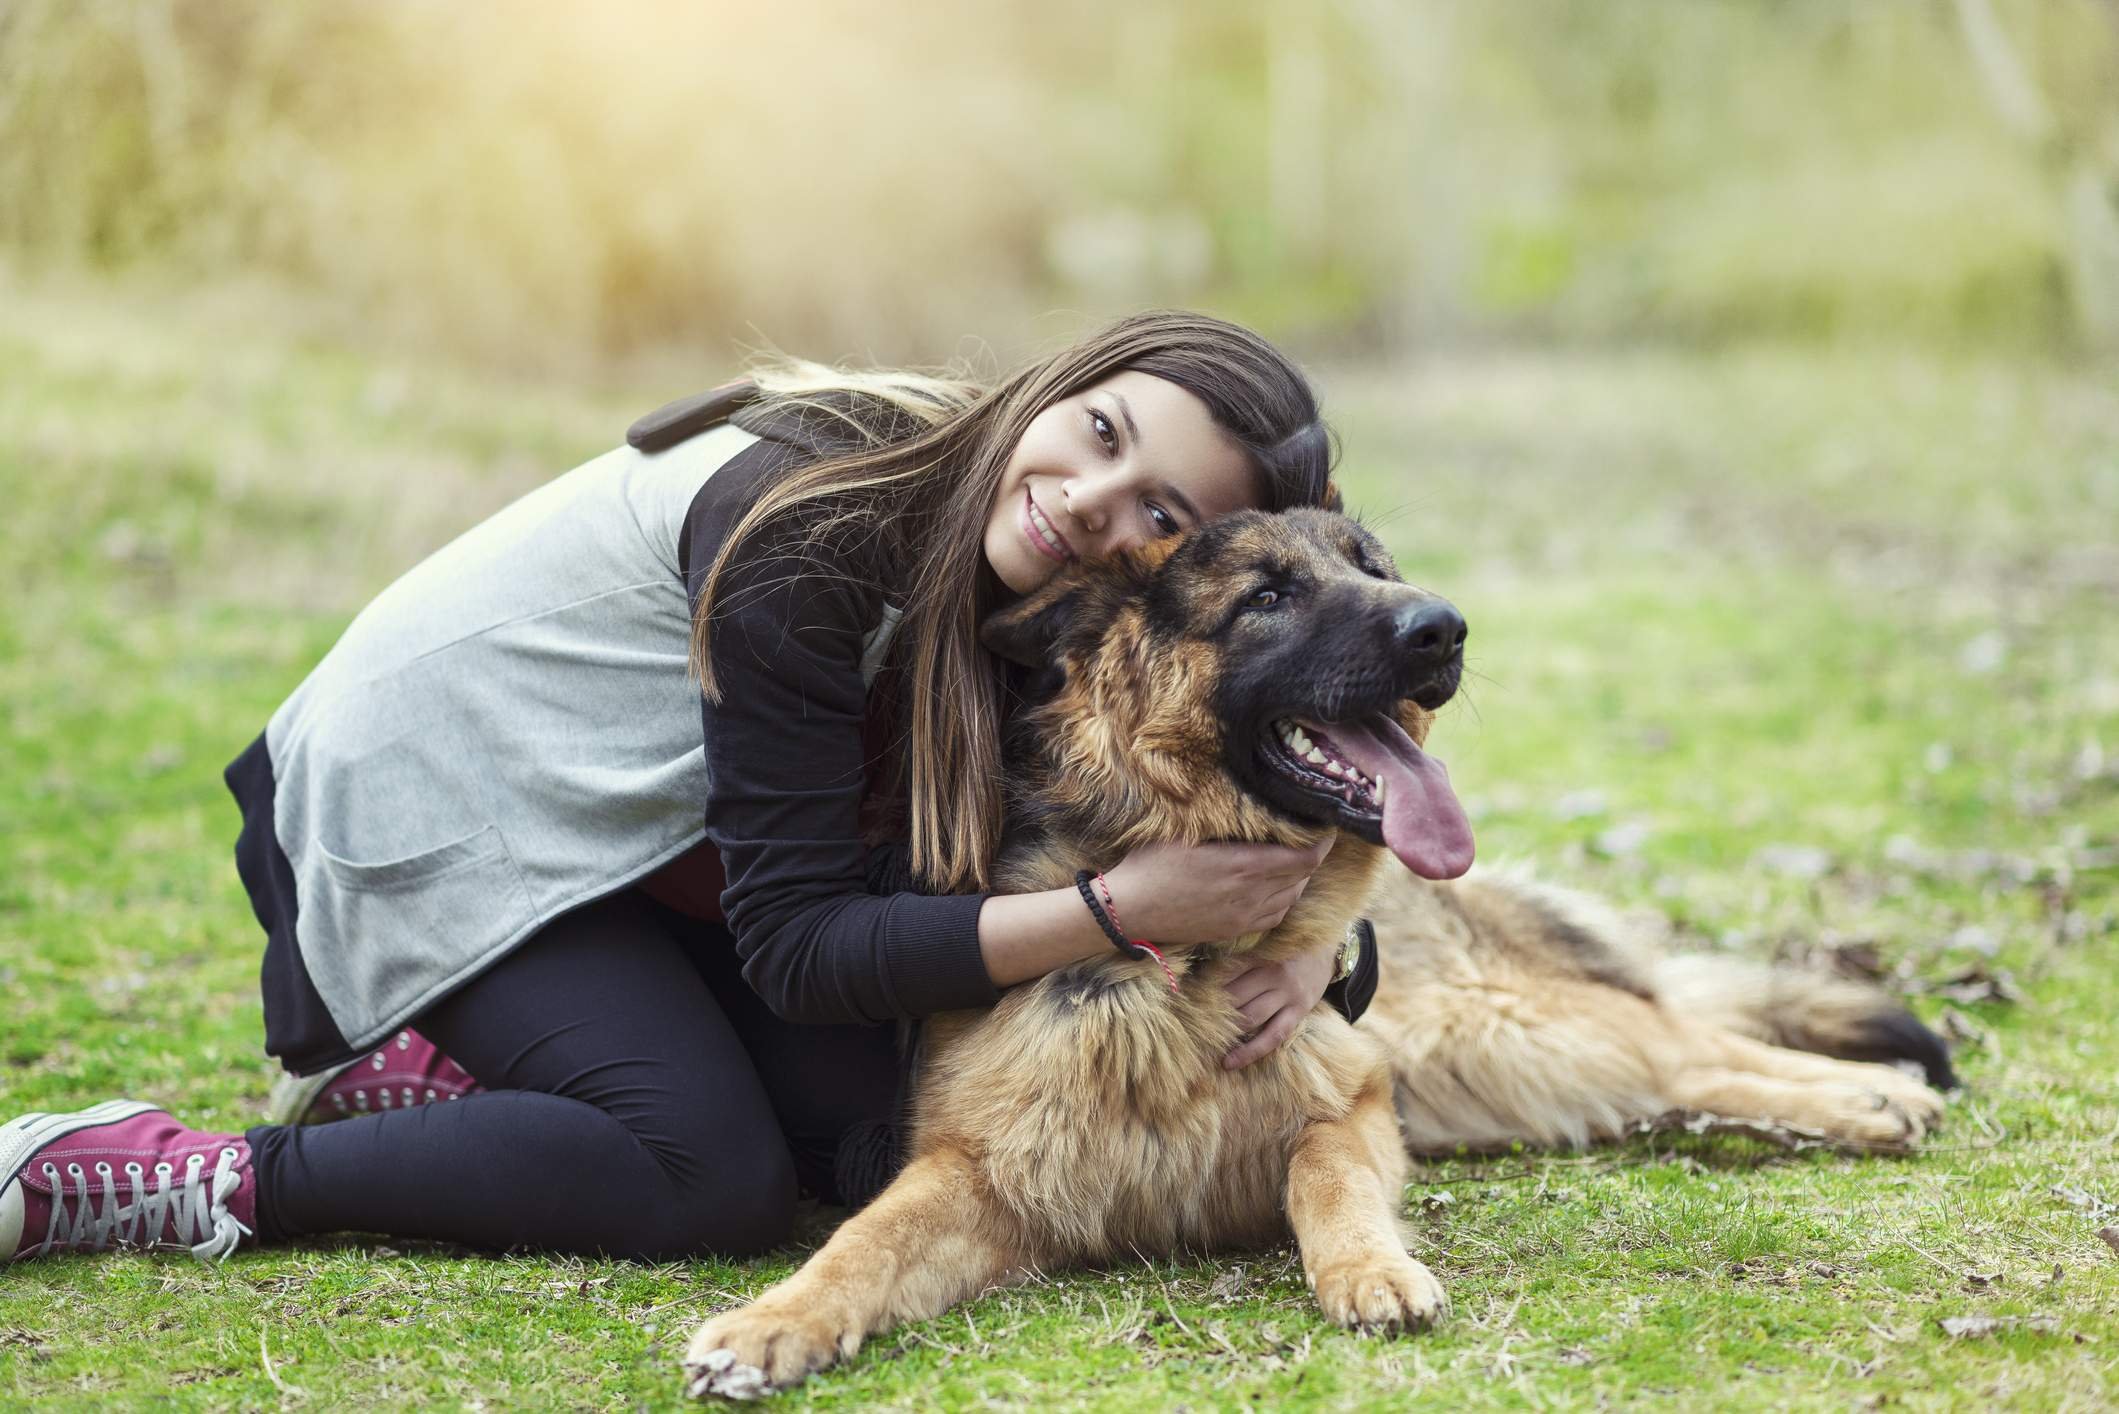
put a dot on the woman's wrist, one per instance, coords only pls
(1022, 936)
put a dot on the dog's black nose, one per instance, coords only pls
(1430, 631)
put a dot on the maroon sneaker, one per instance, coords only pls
(408, 1070)
(122, 1174)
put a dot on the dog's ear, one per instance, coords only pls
(1080, 600)
(1026, 631)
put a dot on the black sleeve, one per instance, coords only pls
(1350, 995)
(785, 765)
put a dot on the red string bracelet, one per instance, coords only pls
(1103, 886)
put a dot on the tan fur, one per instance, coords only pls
(1516, 1013)
(1088, 1115)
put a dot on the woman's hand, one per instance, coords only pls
(1206, 893)
(1273, 998)
(1171, 895)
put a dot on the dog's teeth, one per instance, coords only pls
(1315, 757)
(1331, 768)
(1379, 790)
(1299, 739)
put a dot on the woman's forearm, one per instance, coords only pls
(1022, 936)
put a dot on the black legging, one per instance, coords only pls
(641, 1101)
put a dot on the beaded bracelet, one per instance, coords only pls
(1139, 949)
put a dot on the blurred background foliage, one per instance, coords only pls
(550, 183)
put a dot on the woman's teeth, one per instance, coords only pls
(1044, 529)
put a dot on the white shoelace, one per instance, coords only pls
(198, 1214)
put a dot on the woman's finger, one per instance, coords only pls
(1269, 1039)
(1259, 1010)
(1252, 984)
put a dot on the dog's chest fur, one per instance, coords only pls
(1096, 1105)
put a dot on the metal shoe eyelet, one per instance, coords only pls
(229, 1154)
(196, 1161)
(134, 1171)
(404, 1040)
(103, 1169)
(165, 1168)
(73, 1171)
(51, 1173)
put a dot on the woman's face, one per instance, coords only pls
(1124, 461)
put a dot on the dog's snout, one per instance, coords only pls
(1429, 631)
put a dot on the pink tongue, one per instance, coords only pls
(1422, 822)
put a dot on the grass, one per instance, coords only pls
(1803, 649)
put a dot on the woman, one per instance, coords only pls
(482, 814)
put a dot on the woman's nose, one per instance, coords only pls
(1088, 500)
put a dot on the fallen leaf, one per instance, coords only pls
(1796, 861)
(1976, 1280)
(1980, 983)
(1985, 653)
(2081, 1198)
(1973, 938)
(2111, 1238)
(1623, 841)
(1971, 1327)
(1859, 957)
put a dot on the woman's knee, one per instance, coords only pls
(744, 1209)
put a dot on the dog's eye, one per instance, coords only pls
(1263, 599)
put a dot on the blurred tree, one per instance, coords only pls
(2075, 141)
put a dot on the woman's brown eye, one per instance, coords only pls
(1105, 433)
(1164, 521)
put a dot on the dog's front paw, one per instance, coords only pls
(761, 1348)
(1383, 1291)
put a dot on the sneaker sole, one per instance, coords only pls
(19, 1138)
(294, 1095)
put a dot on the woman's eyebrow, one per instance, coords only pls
(1125, 414)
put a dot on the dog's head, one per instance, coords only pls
(1260, 678)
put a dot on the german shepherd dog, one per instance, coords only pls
(1269, 678)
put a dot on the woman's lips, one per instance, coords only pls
(1042, 533)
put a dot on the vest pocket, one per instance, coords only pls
(380, 938)
(474, 851)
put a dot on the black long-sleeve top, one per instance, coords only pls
(791, 754)
(789, 762)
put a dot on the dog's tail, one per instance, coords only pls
(1802, 1010)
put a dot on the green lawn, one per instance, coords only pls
(1806, 650)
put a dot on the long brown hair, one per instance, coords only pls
(930, 454)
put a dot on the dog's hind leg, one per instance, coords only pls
(1345, 1182)
(932, 1238)
(1853, 1101)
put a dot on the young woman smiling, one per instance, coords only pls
(660, 955)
